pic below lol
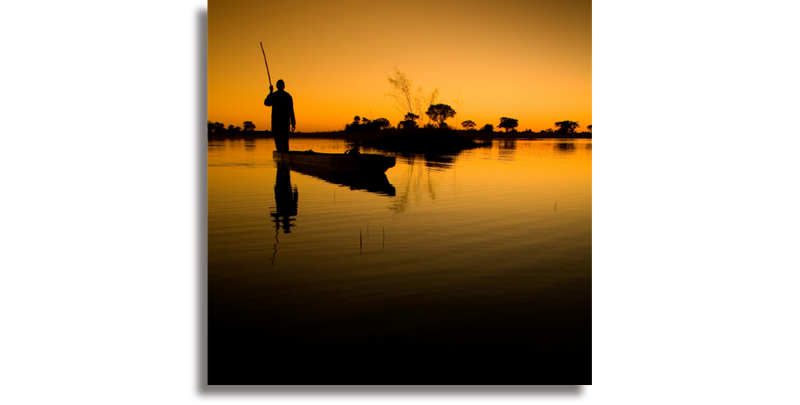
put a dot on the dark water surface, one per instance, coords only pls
(462, 269)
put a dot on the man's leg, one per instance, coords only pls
(277, 135)
(285, 142)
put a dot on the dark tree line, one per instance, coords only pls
(220, 127)
(436, 112)
(366, 125)
(405, 99)
(511, 124)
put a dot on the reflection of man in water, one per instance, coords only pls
(285, 200)
(282, 115)
(285, 206)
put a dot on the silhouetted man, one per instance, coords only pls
(282, 116)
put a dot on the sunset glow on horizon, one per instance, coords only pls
(528, 60)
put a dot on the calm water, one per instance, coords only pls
(485, 255)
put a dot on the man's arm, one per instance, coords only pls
(291, 113)
(267, 101)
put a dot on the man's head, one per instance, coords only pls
(280, 84)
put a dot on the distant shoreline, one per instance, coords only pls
(365, 136)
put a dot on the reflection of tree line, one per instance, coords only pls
(506, 147)
(412, 185)
(566, 147)
(414, 178)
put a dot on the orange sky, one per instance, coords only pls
(526, 59)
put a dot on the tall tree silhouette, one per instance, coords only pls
(401, 91)
(508, 123)
(406, 99)
(381, 123)
(440, 112)
(410, 121)
(430, 101)
(567, 127)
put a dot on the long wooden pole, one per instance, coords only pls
(283, 155)
(265, 63)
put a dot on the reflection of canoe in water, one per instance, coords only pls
(374, 182)
(335, 162)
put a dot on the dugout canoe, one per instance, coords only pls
(363, 163)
